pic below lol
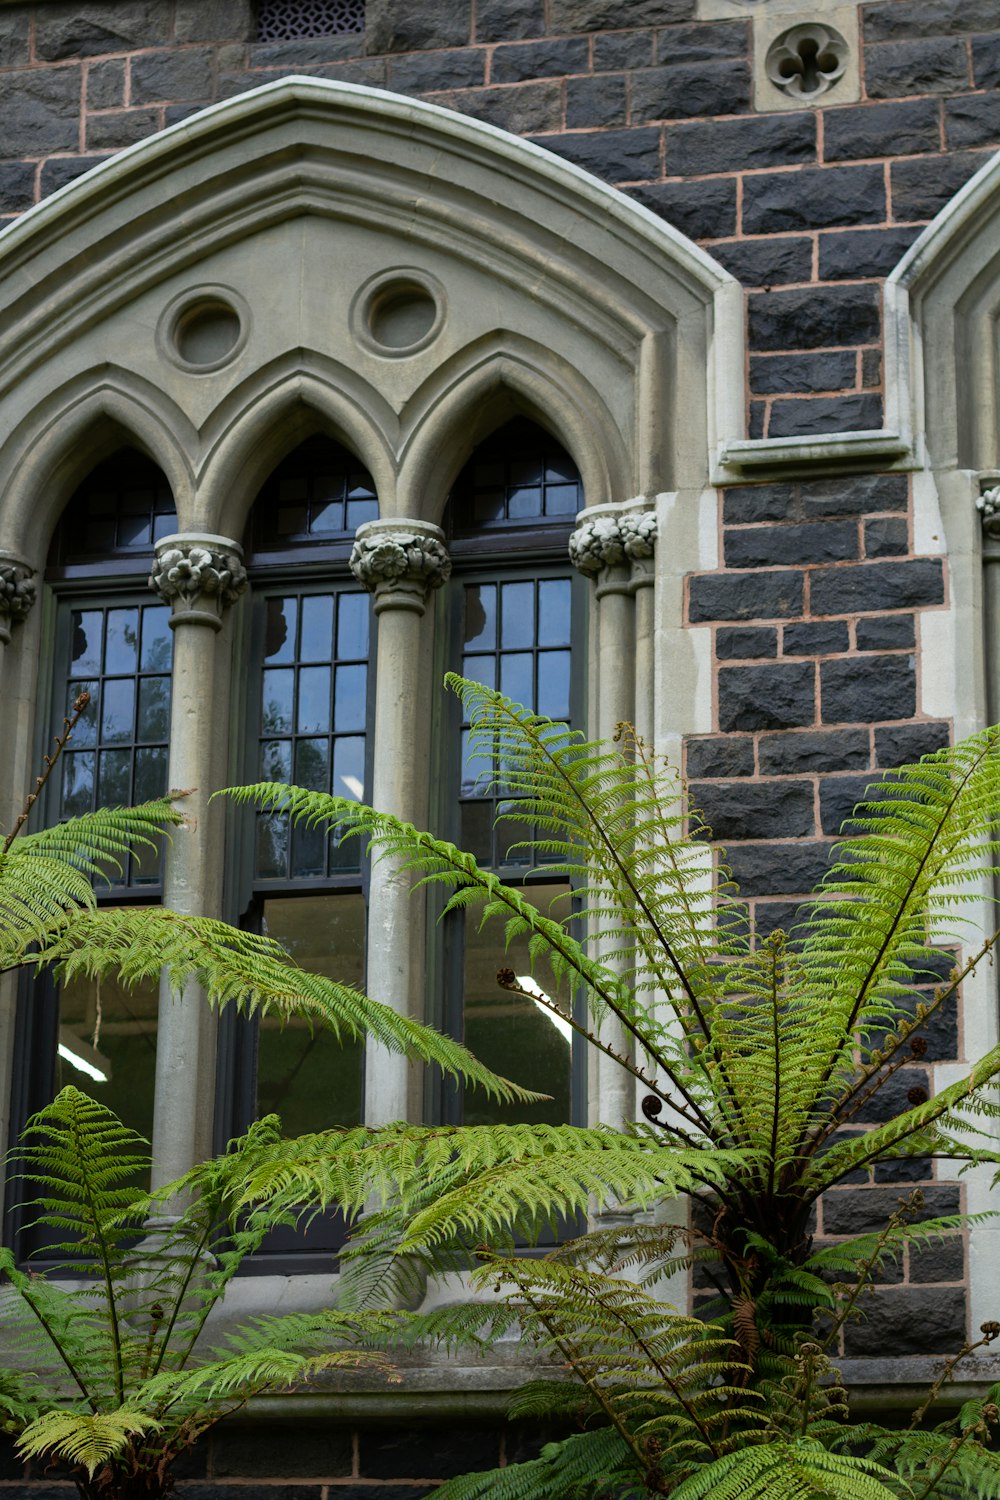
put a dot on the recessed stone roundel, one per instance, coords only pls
(805, 61)
(398, 312)
(204, 328)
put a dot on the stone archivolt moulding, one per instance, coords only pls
(17, 592)
(400, 562)
(200, 575)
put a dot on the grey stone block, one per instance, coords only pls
(306, 51)
(400, 26)
(606, 15)
(855, 495)
(213, 20)
(437, 1451)
(702, 210)
(818, 414)
(59, 170)
(888, 536)
(818, 750)
(106, 84)
(857, 690)
(838, 797)
(941, 1260)
(756, 810)
(782, 374)
(770, 262)
(509, 20)
(623, 49)
(877, 586)
(871, 367)
(592, 102)
(739, 643)
(756, 419)
(986, 61)
(904, 744)
(776, 202)
(745, 596)
(758, 502)
(703, 42)
(689, 89)
(821, 638)
(893, 69)
(921, 187)
(846, 1211)
(719, 755)
(122, 128)
(703, 147)
(790, 546)
(17, 186)
(523, 108)
(14, 26)
(886, 633)
(779, 869)
(550, 58)
(848, 255)
(909, 1320)
(889, 21)
(425, 72)
(863, 130)
(41, 111)
(268, 1452)
(973, 120)
(814, 317)
(768, 697)
(88, 28)
(612, 155)
(172, 76)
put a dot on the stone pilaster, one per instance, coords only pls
(200, 577)
(400, 562)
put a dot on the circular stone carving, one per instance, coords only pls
(398, 312)
(204, 329)
(805, 61)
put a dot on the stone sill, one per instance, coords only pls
(828, 452)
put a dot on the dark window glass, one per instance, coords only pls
(319, 493)
(118, 513)
(520, 477)
(313, 723)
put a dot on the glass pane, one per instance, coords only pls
(272, 846)
(516, 1036)
(77, 783)
(279, 688)
(122, 644)
(114, 778)
(317, 628)
(352, 627)
(150, 773)
(157, 640)
(135, 531)
(314, 699)
(553, 684)
(517, 615)
(516, 676)
(524, 502)
(526, 471)
(85, 732)
(553, 612)
(480, 669)
(488, 507)
(476, 770)
(360, 511)
(326, 519)
(349, 768)
(308, 851)
(349, 702)
(118, 711)
(481, 616)
(279, 630)
(276, 760)
(477, 830)
(107, 1046)
(303, 1075)
(561, 499)
(85, 648)
(312, 765)
(154, 708)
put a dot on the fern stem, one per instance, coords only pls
(80, 705)
(57, 1345)
(106, 1271)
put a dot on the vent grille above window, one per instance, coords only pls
(284, 20)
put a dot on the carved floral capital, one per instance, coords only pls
(614, 541)
(17, 593)
(988, 505)
(200, 575)
(400, 562)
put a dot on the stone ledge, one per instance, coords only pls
(762, 458)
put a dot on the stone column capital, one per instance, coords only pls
(615, 545)
(199, 575)
(400, 561)
(988, 505)
(17, 592)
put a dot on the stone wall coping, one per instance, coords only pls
(759, 458)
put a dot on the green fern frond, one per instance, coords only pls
(582, 1467)
(799, 1470)
(89, 1439)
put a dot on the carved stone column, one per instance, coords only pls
(613, 546)
(199, 576)
(17, 595)
(400, 562)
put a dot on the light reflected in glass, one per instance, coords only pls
(122, 641)
(317, 628)
(279, 630)
(119, 1023)
(517, 615)
(480, 616)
